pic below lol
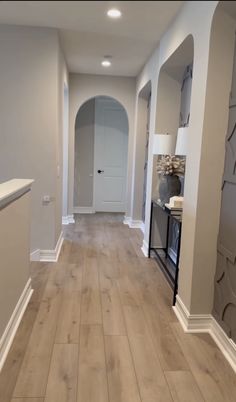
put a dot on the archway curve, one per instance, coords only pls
(83, 124)
(172, 70)
(101, 96)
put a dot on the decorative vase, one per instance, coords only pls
(169, 186)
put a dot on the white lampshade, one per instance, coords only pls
(182, 139)
(164, 144)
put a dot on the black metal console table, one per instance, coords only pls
(169, 267)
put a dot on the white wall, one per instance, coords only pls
(31, 68)
(212, 156)
(61, 139)
(14, 251)
(194, 19)
(139, 159)
(84, 87)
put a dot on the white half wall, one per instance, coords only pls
(31, 80)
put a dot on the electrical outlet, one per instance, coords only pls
(46, 199)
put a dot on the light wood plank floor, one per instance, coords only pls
(100, 328)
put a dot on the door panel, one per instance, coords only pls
(111, 143)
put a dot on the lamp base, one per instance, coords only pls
(169, 186)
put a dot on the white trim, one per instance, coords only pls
(66, 220)
(126, 220)
(198, 323)
(48, 255)
(142, 227)
(84, 210)
(14, 322)
(35, 255)
(65, 151)
(144, 248)
(134, 224)
(12, 189)
(52, 255)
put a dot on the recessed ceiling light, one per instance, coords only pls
(114, 13)
(106, 63)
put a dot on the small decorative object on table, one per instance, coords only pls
(175, 202)
(169, 168)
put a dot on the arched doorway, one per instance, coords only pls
(101, 148)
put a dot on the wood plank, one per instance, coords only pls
(27, 400)
(194, 367)
(113, 319)
(65, 250)
(135, 321)
(32, 378)
(214, 376)
(11, 368)
(125, 249)
(77, 254)
(73, 277)
(122, 381)
(69, 318)
(92, 380)
(167, 348)
(91, 304)
(128, 293)
(183, 386)
(62, 380)
(152, 384)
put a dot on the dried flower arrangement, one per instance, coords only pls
(169, 165)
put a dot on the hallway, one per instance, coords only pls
(100, 327)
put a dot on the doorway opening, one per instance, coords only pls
(101, 149)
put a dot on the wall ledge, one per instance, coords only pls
(13, 189)
(199, 323)
(48, 255)
(14, 322)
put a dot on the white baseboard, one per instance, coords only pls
(84, 210)
(66, 220)
(48, 255)
(35, 255)
(127, 220)
(134, 224)
(144, 248)
(14, 322)
(198, 323)
(52, 255)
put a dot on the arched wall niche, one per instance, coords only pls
(171, 100)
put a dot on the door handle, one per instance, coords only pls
(100, 171)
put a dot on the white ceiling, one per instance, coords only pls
(87, 34)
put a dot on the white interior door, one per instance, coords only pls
(110, 156)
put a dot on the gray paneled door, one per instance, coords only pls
(224, 308)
